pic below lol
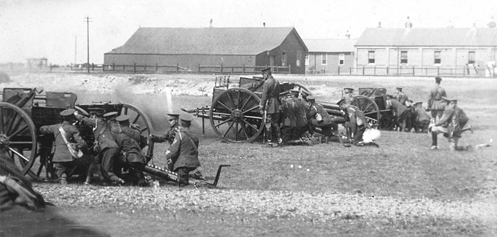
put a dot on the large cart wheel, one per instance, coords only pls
(235, 115)
(16, 124)
(369, 107)
(138, 117)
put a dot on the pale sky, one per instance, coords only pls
(56, 29)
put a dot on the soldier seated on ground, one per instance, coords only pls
(15, 189)
(130, 156)
(421, 118)
(68, 135)
(356, 124)
(452, 125)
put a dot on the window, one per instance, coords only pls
(299, 56)
(371, 57)
(438, 58)
(283, 59)
(403, 57)
(323, 59)
(471, 57)
(341, 59)
(307, 59)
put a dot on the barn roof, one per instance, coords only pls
(428, 37)
(234, 41)
(330, 45)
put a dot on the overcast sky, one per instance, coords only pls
(51, 28)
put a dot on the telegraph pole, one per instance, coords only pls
(88, 43)
(75, 50)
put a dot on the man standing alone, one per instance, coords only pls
(269, 106)
(435, 102)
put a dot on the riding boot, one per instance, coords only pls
(434, 140)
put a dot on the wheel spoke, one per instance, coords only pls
(221, 103)
(1, 120)
(18, 131)
(136, 119)
(245, 131)
(144, 129)
(253, 127)
(229, 128)
(239, 100)
(236, 131)
(369, 106)
(253, 108)
(245, 103)
(231, 100)
(19, 154)
(223, 122)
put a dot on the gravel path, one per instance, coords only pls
(320, 207)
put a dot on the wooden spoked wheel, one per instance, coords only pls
(369, 107)
(235, 115)
(17, 125)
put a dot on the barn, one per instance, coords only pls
(238, 50)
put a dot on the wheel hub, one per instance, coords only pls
(237, 114)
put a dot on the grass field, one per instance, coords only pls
(401, 188)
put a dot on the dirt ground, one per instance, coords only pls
(400, 189)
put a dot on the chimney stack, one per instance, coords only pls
(210, 24)
(379, 24)
(347, 35)
(264, 24)
(408, 23)
(491, 24)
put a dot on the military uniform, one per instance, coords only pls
(451, 124)
(400, 96)
(184, 152)
(401, 113)
(270, 103)
(348, 96)
(289, 119)
(357, 123)
(62, 159)
(169, 135)
(421, 118)
(435, 102)
(106, 146)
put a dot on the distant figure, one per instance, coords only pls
(379, 24)
(491, 68)
(421, 118)
(452, 125)
(348, 96)
(408, 23)
(169, 135)
(491, 24)
(269, 107)
(400, 96)
(400, 111)
(435, 103)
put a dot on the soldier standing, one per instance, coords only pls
(130, 156)
(63, 161)
(435, 102)
(348, 96)
(105, 145)
(184, 151)
(269, 106)
(452, 124)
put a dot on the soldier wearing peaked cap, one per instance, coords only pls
(348, 96)
(421, 118)
(63, 161)
(400, 96)
(183, 153)
(435, 102)
(105, 145)
(452, 124)
(169, 135)
(269, 107)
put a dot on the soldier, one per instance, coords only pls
(64, 162)
(169, 135)
(319, 117)
(289, 120)
(348, 96)
(421, 118)
(15, 189)
(269, 107)
(184, 151)
(452, 124)
(400, 111)
(400, 96)
(105, 145)
(435, 103)
(130, 151)
(356, 122)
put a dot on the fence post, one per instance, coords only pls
(339, 70)
(413, 72)
(221, 69)
(289, 69)
(92, 66)
(243, 69)
(350, 69)
(124, 67)
(388, 69)
(113, 66)
(199, 67)
(463, 72)
(156, 67)
(374, 70)
(177, 67)
(363, 69)
(438, 71)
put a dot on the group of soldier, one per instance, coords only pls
(291, 117)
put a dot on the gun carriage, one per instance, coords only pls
(234, 112)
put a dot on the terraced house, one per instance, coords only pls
(329, 56)
(427, 51)
(221, 50)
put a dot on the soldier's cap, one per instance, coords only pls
(438, 79)
(186, 119)
(348, 89)
(399, 88)
(172, 116)
(123, 118)
(67, 112)
(417, 103)
(311, 98)
(110, 114)
(266, 69)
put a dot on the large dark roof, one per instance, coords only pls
(234, 41)
(330, 45)
(428, 37)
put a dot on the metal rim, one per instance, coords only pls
(234, 122)
(13, 124)
(369, 107)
